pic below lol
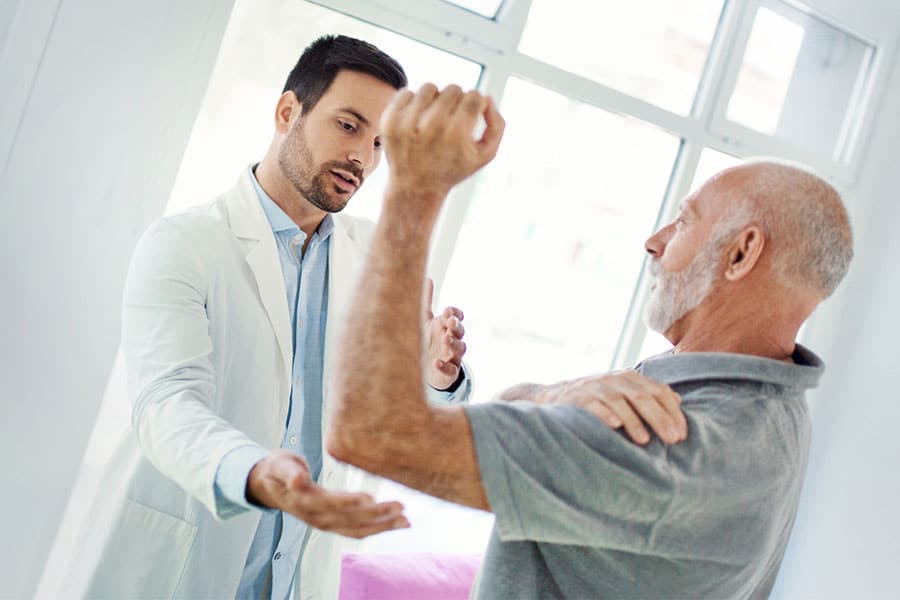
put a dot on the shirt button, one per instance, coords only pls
(297, 382)
(298, 238)
(293, 439)
(277, 555)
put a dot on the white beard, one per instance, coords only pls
(673, 295)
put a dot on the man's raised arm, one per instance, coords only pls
(381, 421)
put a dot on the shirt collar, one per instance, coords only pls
(278, 219)
(673, 368)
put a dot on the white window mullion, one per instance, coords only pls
(601, 96)
(730, 40)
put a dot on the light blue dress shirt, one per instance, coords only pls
(271, 565)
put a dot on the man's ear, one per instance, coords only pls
(287, 108)
(744, 253)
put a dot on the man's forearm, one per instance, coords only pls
(379, 400)
(531, 392)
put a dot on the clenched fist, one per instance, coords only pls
(428, 139)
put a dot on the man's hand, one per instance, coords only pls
(445, 348)
(619, 399)
(428, 140)
(281, 480)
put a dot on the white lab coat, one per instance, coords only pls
(207, 342)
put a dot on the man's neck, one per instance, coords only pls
(285, 195)
(737, 332)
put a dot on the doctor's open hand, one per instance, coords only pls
(281, 480)
(428, 139)
(444, 342)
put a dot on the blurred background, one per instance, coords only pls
(114, 113)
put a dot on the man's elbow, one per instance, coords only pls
(341, 447)
(354, 448)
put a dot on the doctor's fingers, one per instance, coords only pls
(381, 517)
(602, 412)
(317, 500)
(371, 529)
(452, 311)
(452, 349)
(656, 394)
(453, 324)
(331, 520)
(636, 404)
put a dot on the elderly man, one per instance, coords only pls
(582, 512)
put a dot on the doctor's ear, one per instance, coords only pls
(744, 252)
(287, 109)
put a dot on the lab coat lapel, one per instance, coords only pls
(249, 224)
(346, 255)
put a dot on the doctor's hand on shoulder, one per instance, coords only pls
(620, 399)
(281, 480)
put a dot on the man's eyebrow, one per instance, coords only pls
(685, 207)
(356, 114)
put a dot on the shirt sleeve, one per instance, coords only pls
(230, 485)
(557, 474)
(458, 395)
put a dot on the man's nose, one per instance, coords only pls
(656, 243)
(363, 156)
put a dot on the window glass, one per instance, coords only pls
(800, 80)
(550, 251)
(487, 8)
(652, 49)
(260, 46)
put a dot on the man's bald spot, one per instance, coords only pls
(802, 216)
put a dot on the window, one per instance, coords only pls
(652, 49)
(801, 80)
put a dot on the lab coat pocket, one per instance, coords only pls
(145, 555)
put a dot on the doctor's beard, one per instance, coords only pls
(296, 162)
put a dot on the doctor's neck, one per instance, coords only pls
(301, 211)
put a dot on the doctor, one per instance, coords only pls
(230, 318)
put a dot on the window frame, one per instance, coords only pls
(493, 42)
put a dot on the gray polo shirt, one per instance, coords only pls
(582, 512)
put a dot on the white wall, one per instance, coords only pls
(98, 98)
(846, 542)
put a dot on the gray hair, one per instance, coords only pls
(802, 217)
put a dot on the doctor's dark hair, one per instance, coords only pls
(324, 58)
